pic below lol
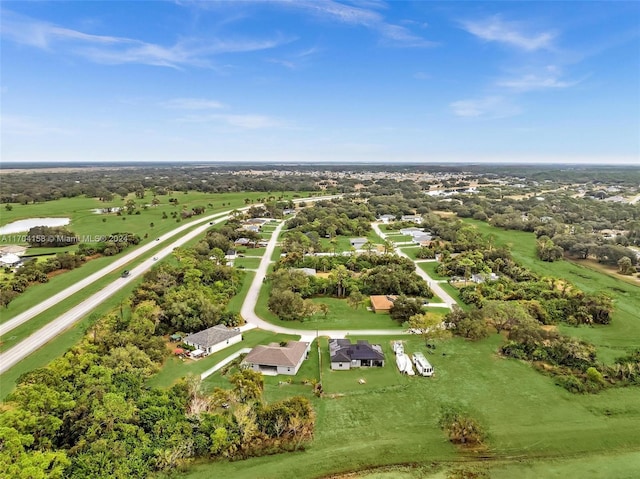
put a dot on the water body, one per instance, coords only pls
(25, 225)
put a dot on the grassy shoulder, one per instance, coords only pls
(61, 343)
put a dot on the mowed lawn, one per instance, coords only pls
(340, 315)
(392, 419)
(278, 387)
(248, 263)
(235, 303)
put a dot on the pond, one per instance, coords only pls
(25, 225)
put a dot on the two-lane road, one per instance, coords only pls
(45, 334)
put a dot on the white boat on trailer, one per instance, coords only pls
(404, 364)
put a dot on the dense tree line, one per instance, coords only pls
(191, 295)
(353, 277)
(50, 237)
(36, 187)
(342, 217)
(90, 414)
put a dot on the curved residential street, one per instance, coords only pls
(435, 287)
(254, 321)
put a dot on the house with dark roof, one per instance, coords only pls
(345, 355)
(274, 359)
(213, 339)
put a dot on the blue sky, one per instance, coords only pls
(320, 81)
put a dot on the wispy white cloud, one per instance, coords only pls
(192, 104)
(251, 122)
(495, 29)
(120, 50)
(490, 107)
(363, 14)
(285, 63)
(549, 78)
(533, 82)
(295, 61)
(244, 121)
(28, 126)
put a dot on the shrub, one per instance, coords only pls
(461, 428)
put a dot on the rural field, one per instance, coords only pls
(535, 428)
(392, 419)
(613, 340)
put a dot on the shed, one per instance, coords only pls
(382, 303)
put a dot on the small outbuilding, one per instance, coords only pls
(382, 303)
(358, 243)
(9, 259)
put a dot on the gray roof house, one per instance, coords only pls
(345, 355)
(413, 231)
(422, 238)
(214, 339)
(357, 243)
(274, 359)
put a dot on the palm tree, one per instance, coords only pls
(340, 277)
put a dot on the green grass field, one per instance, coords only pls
(340, 316)
(613, 340)
(249, 263)
(235, 304)
(430, 267)
(411, 251)
(392, 419)
(536, 429)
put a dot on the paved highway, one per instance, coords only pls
(45, 334)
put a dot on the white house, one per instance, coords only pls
(214, 339)
(413, 231)
(387, 218)
(417, 219)
(9, 259)
(274, 359)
